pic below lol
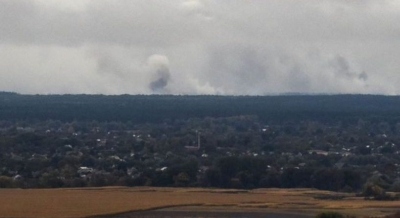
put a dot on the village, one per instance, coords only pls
(196, 152)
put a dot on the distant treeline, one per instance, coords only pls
(158, 108)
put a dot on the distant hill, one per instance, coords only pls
(157, 108)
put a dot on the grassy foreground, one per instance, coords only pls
(85, 202)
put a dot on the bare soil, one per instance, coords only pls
(182, 202)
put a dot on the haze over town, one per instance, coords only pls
(199, 46)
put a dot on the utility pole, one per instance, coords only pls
(198, 139)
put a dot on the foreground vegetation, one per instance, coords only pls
(111, 200)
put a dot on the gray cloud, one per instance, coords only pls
(202, 46)
(108, 65)
(234, 67)
(124, 22)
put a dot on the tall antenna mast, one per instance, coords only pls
(198, 139)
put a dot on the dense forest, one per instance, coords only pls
(145, 108)
(335, 142)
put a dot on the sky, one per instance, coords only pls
(192, 47)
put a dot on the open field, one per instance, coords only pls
(86, 202)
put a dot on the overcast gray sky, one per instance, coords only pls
(244, 47)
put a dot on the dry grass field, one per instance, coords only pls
(110, 200)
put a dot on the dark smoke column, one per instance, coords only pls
(160, 64)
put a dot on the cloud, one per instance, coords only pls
(192, 5)
(196, 8)
(235, 67)
(199, 46)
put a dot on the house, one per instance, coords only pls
(85, 170)
(318, 152)
(340, 165)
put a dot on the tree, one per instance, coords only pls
(182, 179)
(5, 182)
(372, 190)
(329, 215)
(213, 178)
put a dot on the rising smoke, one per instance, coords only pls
(235, 48)
(159, 85)
(160, 65)
(342, 68)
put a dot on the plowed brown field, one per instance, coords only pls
(111, 200)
